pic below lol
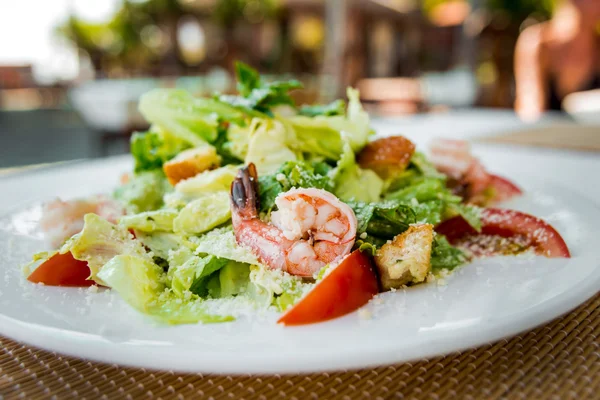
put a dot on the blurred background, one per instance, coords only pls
(71, 71)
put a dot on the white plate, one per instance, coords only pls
(480, 303)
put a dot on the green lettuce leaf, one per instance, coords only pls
(140, 283)
(322, 136)
(150, 221)
(143, 192)
(257, 95)
(354, 183)
(205, 183)
(267, 146)
(444, 255)
(150, 150)
(470, 213)
(193, 120)
(99, 241)
(221, 242)
(382, 220)
(234, 278)
(277, 287)
(203, 214)
(337, 107)
(163, 244)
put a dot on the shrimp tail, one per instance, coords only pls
(244, 193)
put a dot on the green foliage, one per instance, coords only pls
(257, 95)
(152, 149)
(337, 107)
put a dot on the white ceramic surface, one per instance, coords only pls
(481, 302)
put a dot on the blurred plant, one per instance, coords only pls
(144, 32)
(521, 9)
(228, 12)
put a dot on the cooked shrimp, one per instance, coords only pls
(310, 229)
(451, 157)
(62, 219)
(466, 173)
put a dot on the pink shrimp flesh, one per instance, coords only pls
(62, 219)
(467, 174)
(310, 229)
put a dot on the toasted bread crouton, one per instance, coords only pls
(387, 156)
(190, 163)
(407, 259)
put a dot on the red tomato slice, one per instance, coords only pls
(348, 287)
(62, 270)
(503, 188)
(509, 224)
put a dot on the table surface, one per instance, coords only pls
(558, 360)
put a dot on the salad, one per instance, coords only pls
(250, 201)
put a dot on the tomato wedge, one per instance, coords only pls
(62, 270)
(534, 232)
(346, 288)
(503, 188)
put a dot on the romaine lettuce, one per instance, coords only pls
(143, 192)
(267, 146)
(444, 255)
(200, 185)
(337, 107)
(150, 221)
(140, 283)
(194, 120)
(354, 183)
(221, 242)
(100, 241)
(234, 278)
(322, 136)
(257, 95)
(150, 150)
(203, 214)
(279, 288)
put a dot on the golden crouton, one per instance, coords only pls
(190, 163)
(407, 258)
(388, 156)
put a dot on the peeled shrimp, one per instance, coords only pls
(454, 158)
(62, 219)
(310, 229)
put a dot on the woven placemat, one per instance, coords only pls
(558, 136)
(560, 360)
